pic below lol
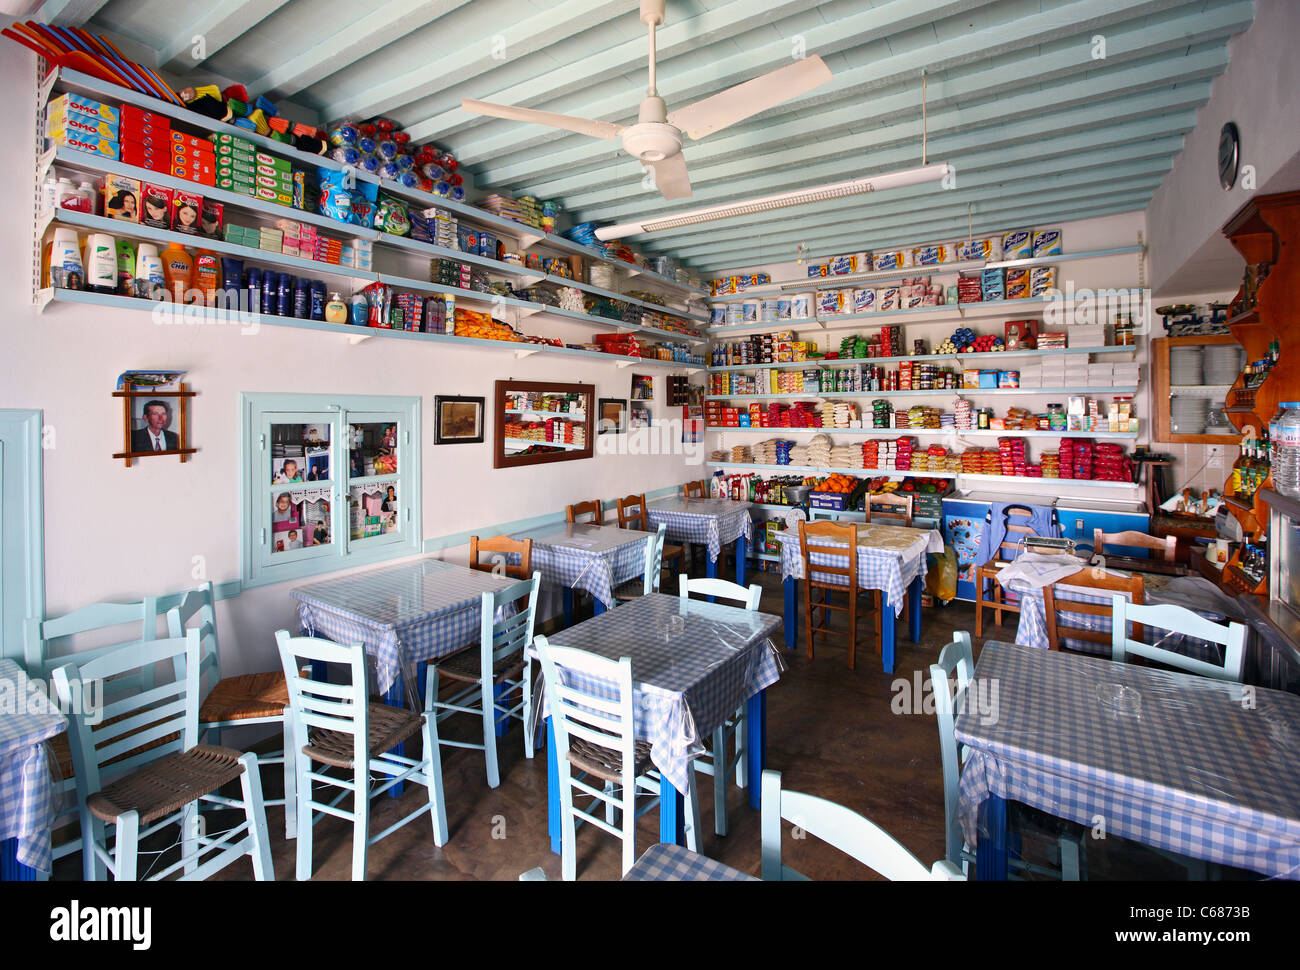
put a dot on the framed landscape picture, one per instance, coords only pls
(457, 420)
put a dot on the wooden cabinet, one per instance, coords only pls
(1164, 391)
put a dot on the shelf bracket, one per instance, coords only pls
(521, 354)
(354, 339)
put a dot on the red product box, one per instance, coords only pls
(155, 206)
(134, 153)
(181, 151)
(213, 219)
(131, 114)
(192, 142)
(150, 138)
(187, 211)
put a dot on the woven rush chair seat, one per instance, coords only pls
(246, 696)
(466, 666)
(389, 727)
(633, 588)
(605, 762)
(168, 784)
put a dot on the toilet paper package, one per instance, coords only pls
(1047, 242)
(1018, 244)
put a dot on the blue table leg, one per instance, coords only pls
(887, 633)
(552, 790)
(711, 570)
(991, 853)
(597, 607)
(568, 607)
(791, 612)
(914, 593)
(394, 699)
(742, 554)
(11, 870)
(672, 813)
(756, 745)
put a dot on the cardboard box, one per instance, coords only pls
(155, 206)
(121, 196)
(69, 105)
(187, 212)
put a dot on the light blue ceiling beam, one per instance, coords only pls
(218, 25)
(373, 29)
(1186, 28)
(67, 13)
(1045, 192)
(456, 62)
(685, 36)
(1079, 92)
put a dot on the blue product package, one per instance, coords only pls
(487, 245)
(284, 295)
(301, 298)
(270, 286)
(253, 284)
(317, 310)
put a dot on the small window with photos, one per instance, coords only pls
(372, 449)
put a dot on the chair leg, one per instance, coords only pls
(568, 830)
(126, 852)
(853, 627)
(302, 764)
(692, 806)
(997, 598)
(611, 808)
(979, 606)
(255, 812)
(290, 782)
(1069, 860)
(433, 778)
(628, 808)
(360, 821)
(742, 766)
(191, 826)
(93, 832)
(808, 616)
(529, 746)
(720, 778)
(487, 699)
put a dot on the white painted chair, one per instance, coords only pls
(649, 581)
(343, 730)
(734, 726)
(501, 650)
(1175, 618)
(164, 770)
(591, 711)
(245, 700)
(843, 828)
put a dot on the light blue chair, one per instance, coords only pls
(501, 650)
(1175, 618)
(246, 700)
(843, 828)
(594, 728)
(43, 652)
(149, 739)
(734, 726)
(650, 577)
(344, 730)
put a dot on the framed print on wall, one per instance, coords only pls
(457, 420)
(611, 416)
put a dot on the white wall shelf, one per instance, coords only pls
(928, 432)
(830, 362)
(578, 416)
(874, 472)
(522, 444)
(938, 392)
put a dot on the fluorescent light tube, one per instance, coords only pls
(836, 190)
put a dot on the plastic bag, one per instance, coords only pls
(941, 579)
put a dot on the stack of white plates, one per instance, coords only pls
(1216, 422)
(1223, 363)
(1185, 365)
(1188, 414)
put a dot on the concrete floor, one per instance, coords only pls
(831, 732)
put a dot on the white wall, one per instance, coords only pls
(1188, 210)
(117, 533)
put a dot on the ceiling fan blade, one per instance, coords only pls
(583, 126)
(736, 104)
(670, 177)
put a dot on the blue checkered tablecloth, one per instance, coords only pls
(27, 718)
(665, 862)
(712, 521)
(403, 615)
(1204, 768)
(597, 558)
(687, 683)
(890, 557)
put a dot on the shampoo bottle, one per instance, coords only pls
(178, 271)
(101, 263)
(149, 279)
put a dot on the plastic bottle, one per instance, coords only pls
(178, 271)
(149, 278)
(1284, 429)
(336, 311)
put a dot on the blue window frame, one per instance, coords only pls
(329, 482)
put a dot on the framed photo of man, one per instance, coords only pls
(155, 423)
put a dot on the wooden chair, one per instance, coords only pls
(501, 548)
(833, 537)
(698, 489)
(1176, 618)
(632, 515)
(595, 738)
(1087, 581)
(651, 572)
(344, 730)
(734, 727)
(848, 831)
(159, 786)
(897, 508)
(1167, 547)
(988, 572)
(245, 700)
(500, 650)
(575, 512)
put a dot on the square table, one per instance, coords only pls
(686, 685)
(597, 558)
(891, 558)
(664, 862)
(712, 521)
(1201, 767)
(27, 719)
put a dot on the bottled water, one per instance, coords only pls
(1284, 429)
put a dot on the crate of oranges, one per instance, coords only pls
(837, 492)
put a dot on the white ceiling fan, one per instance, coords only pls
(656, 138)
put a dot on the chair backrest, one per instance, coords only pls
(828, 538)
(1168, 617)
(199, 603)
(889, 507)
(575, 512)
(698, 489)
(326, 706)
(841, 827)
(501, 548)
(632, 513)
(592, 701)
(1060, 628)
(1010, 547)
(1167, 547)
(654, 560)
(721, 589)
(511, 634)
(138, 726)
(41, 654)
(957, 659)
